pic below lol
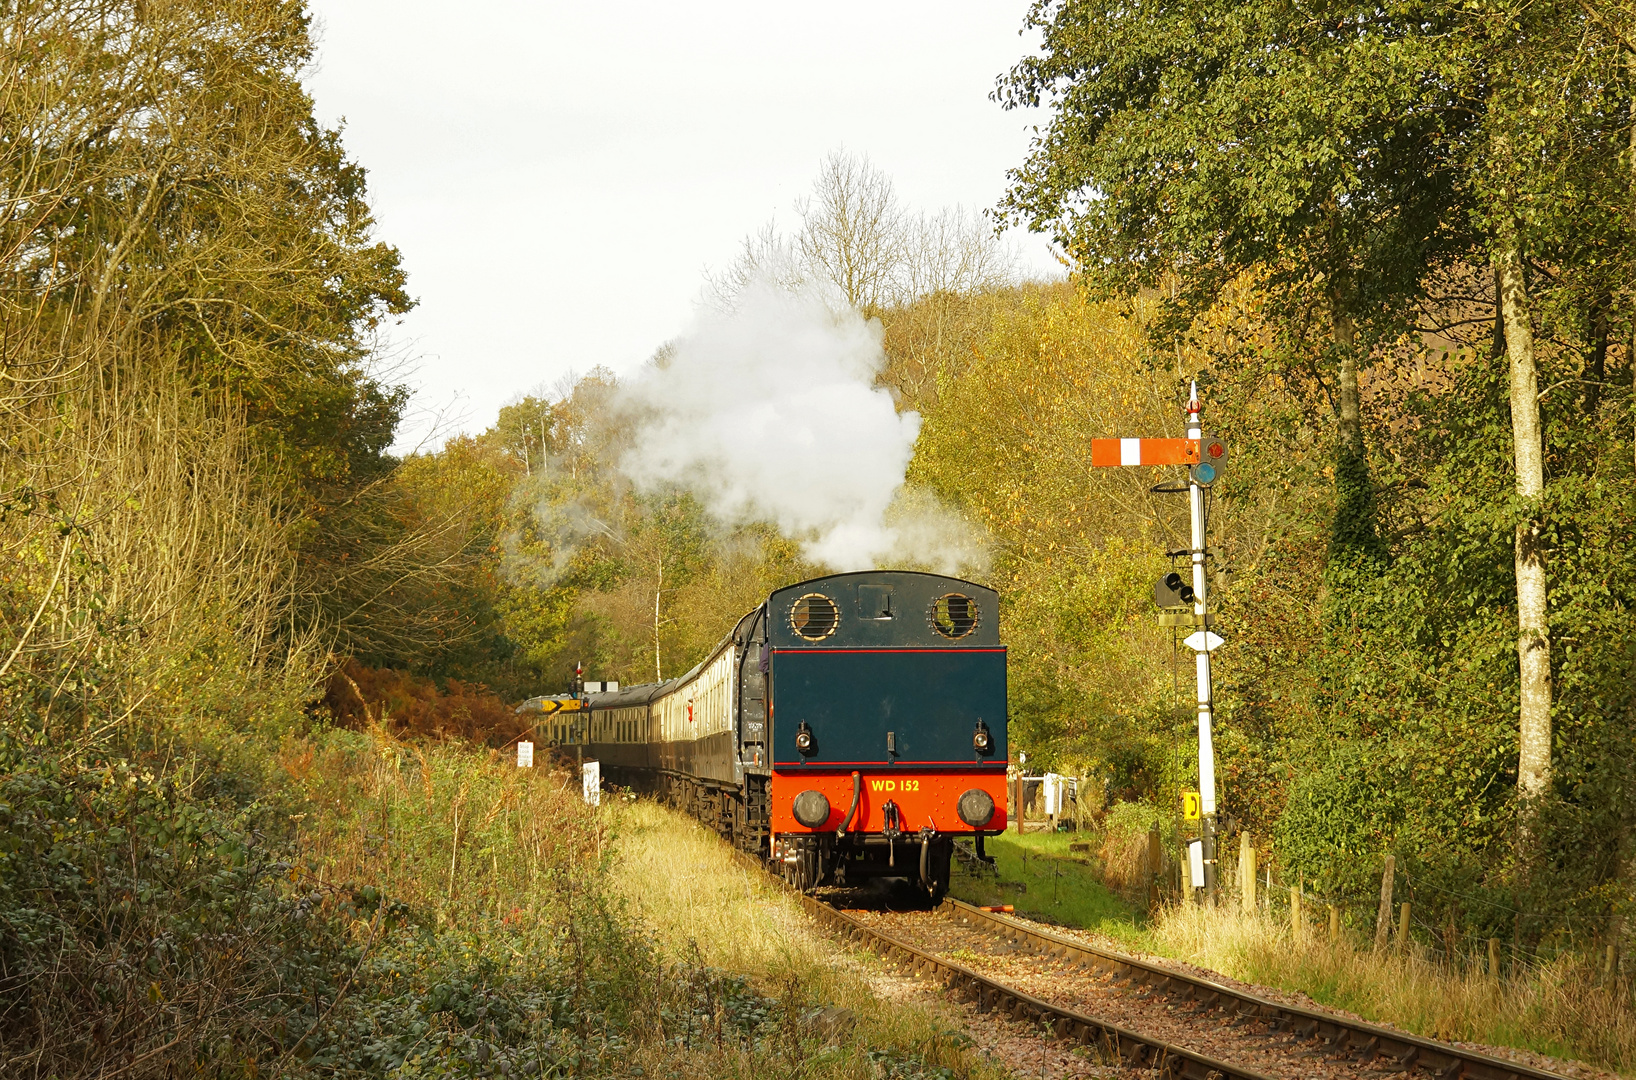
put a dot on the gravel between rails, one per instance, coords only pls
(1214, 1032)
(1004, 1043)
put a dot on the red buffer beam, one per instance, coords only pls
(1111, 453)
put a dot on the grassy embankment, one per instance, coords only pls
(1041, 878)
(1563, 1008)
(620, 941)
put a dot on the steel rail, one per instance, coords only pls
(1114, 1042)
(1337, 1036)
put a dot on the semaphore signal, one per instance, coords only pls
(1204, 456)
(1188, 451)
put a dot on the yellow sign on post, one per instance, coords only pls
(1191, 806)
(549, 705)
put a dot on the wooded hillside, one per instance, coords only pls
(1392, 245)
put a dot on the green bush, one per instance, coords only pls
(136, 920)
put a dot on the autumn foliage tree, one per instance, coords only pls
(1434, 201)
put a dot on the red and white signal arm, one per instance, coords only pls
(1111, 453)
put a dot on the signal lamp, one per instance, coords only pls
(803, 739)
(1212, 458)
(1173, 591)
(981, 741)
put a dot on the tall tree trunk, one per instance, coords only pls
(1351, 430)
(1596, 360)
(658, 591)
(1354, 542)
(1533, 632)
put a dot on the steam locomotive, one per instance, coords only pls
(849, 727)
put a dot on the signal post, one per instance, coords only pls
(1203, 641)
(1204, 457)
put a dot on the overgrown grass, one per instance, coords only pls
(685, 884)
(1040, 877)
(405, 910)
(623, 940)
(1563, 1008)
(704, 907)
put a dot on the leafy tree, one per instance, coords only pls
(1203, 140)
(191, 282)
(1360, 157)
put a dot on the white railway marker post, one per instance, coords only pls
(1203, 457)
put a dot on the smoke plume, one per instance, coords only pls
(770, 412)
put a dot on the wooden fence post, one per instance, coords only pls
(1403, 927)
(1334, 922)
(1018, 788)
(1155, 865)
(1295, 910)
(1246, 873)
(1383, 919)
(1494, 957)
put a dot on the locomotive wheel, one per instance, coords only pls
(803, 872)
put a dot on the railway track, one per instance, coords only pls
(1122, 1007)
(1112, 1041)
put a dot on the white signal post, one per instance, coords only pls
(1201, 458)
(1202, 643)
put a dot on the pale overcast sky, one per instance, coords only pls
(559, 175)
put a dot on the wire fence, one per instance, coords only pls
(1447, 925)
(1439, 918)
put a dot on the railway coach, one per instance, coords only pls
(849, 727)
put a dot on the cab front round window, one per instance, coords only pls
(954, 615)
(814, 617)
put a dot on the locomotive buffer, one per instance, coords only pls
(1204, 456)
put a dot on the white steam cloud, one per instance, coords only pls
(770, 412)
